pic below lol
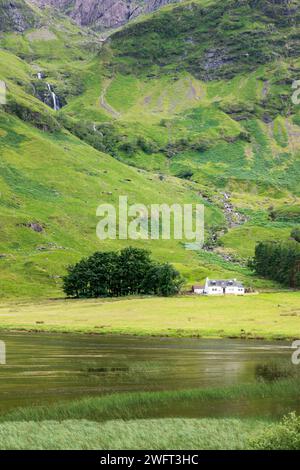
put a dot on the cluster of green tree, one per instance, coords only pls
(278, 261)
(140, 144)
(113, 274)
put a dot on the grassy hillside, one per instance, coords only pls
(169, 120)
(209, 38)
(51, 186)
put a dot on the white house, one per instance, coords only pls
(220, 287)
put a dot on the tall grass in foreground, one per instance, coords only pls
(143, 434)
(141, 405)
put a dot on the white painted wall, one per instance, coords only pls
(214, 290)
(198, 291)
(234, 290)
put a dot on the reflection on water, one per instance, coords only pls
(45, 368)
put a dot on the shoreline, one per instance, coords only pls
(159, 335)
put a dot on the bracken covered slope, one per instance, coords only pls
(189, 104)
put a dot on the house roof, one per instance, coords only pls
(224, 283)
(198, 287)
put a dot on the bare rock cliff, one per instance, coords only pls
(103, 14)
(16, 15)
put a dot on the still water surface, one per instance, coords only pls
(43, 368)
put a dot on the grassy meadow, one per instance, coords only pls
(265, 315)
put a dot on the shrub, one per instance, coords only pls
(147, 146)
(272, 371)
(130, 148)
(287, 213)
(103, 138)
(185, 174)
(295, 234)
(282, 436)
(38, 117)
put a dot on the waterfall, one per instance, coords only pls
(56, 104)
(55, 100)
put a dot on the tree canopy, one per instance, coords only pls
(278, 261)
(128, 272)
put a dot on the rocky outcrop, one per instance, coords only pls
(152, 5)
(103, 14)
(107, 14)
(16, 15)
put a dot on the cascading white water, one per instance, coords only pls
(55, 99)
(56, 105)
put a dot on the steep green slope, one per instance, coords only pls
(51, 184)
(153, 114)
(211, 83)
(209, 38)
(233, 130)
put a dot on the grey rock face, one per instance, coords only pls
(103, 14)
(15, 15)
